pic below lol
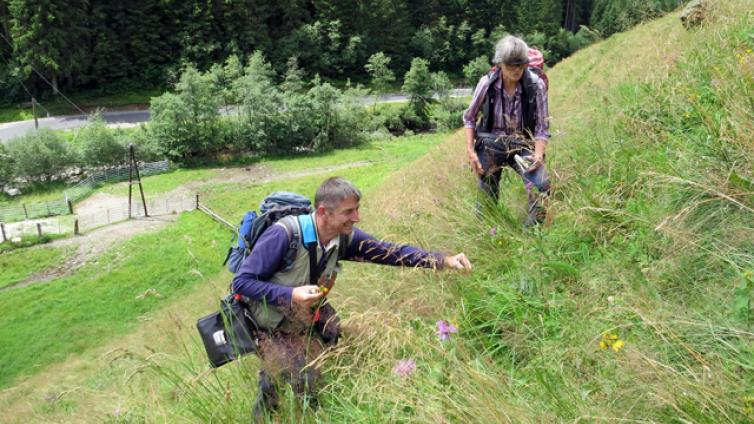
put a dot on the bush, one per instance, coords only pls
(447, 115)
(6, 166)
(98, 145)
(40, 155)
(147, 149)
(475, 69)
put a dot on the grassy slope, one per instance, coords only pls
(78, 308)
(18, 264)
(651, 241)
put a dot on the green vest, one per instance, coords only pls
(268, 316)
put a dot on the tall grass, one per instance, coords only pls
(650, 240)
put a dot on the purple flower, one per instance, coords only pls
(445, 329)
(493, 231)
(405, 367)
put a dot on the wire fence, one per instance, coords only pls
(155, 207)
(76, 224)
(88, 184)
(42, 209)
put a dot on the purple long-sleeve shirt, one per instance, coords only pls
(252, 279)
(508, 113)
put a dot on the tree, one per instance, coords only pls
(185, 124)
(378, 69)
(418, 84)
(294, 76)
(50, 38)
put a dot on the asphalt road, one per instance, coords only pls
(11, 130)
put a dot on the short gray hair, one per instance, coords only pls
(512, 51)
(335, 190)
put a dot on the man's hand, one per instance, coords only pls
(459, 261)
(306, 295)
(476, 166)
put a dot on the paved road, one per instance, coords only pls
(11, 130)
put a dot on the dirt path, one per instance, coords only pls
(92, 243)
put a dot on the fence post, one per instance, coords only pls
(39, 229)
(2, 230)
(197, 201)
(26, 213)
(76, 227)
(70, 206)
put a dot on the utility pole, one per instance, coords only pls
(134, 166)
(34, 112)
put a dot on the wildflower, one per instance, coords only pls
(610, 340)
(116, 413)
(445, 329)
(405, 367)
(749, 51)
(493, 231)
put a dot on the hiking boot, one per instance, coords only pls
(267, 399)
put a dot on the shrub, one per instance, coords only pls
(6, 166)
(40, 155)
(475, 69)
(98, 145)
(447, 115)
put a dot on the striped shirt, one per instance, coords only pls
(508, 113)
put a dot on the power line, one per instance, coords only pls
(55, 89)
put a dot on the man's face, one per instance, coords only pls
(342, 218)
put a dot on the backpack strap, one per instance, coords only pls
(309, 239)
(343, 245)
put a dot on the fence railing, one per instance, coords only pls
(88, 184)
(43, 209)
(82, 223)
(33, 210)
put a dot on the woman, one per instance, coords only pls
(514, 122)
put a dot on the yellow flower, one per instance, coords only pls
(618, 345)
(613, 337)
(603, 345)
(749, 51)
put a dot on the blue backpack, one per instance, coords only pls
(274, 207)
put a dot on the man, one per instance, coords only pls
(297, 325)
(513, 101)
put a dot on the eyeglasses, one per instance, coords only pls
(513, 66)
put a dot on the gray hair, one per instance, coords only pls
(335, 190)
(512, 51)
